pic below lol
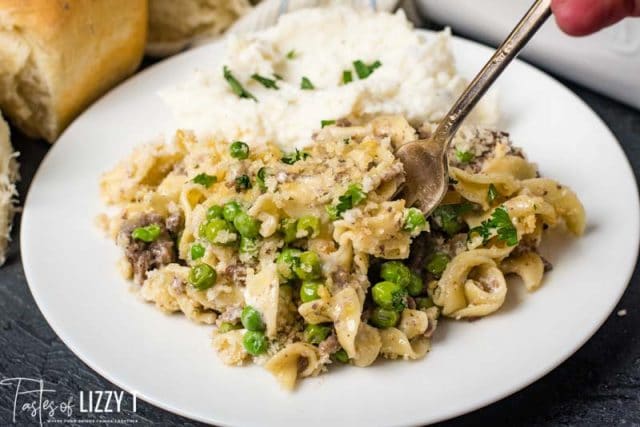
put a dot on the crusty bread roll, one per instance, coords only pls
(57, 56)
(173, 24)
(8, 176)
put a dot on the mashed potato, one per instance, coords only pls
(416, 78)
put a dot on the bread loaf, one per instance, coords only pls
(57, 56)
(173, 24)
(8, 176)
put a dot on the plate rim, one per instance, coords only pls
(525, 381)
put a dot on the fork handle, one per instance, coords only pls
(508, 50)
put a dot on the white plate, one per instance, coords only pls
(168, 361)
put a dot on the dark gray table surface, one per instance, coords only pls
(598, 385)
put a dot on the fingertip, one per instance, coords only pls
(575, 17)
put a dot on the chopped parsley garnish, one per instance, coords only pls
(352, 197)
(448, 217)
(204, 180)
(464, 156)
(492, 193)
(501, 224)
(294, 156)
(347, 77)
(346, 141)
(268, 83)
(324, 123)
(306, 84)
(243, 183)
(292, 54)
(235, 85)
(260, 178)
(278, 76)
(363, 70)
(399, 300)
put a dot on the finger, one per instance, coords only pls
(581, 17)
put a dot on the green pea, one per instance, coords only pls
(309, 290)
(315, 334)
(414, 220)
(289, 255)
(396, 272)
(389, 295)
(202, 276)
(197, 251)
(227, 327)
(246, 225)
(288, 226)
(255, 343)
(249, 246)
(218, 231)
(308, 226)
(230, 210)
(309, 266)
(214, 211)
(424, 302)
(252, 319)
(261, 177)
(416, 286)
(384, 317)
(239, 150)
(438, 263)
(286, 262)
(341, 356)
(149, 233)
(243, 182)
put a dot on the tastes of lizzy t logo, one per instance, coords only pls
(33, 399)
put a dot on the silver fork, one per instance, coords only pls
(425, 161)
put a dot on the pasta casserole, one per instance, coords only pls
(303, 259)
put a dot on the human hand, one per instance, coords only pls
(582, 17)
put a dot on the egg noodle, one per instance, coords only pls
(304, 259)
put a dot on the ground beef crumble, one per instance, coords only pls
(145, 256)
(174, 223)
(231, 314)
(237, 273)
(329, 346)
(481, 142)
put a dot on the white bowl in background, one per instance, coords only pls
(608, 61)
